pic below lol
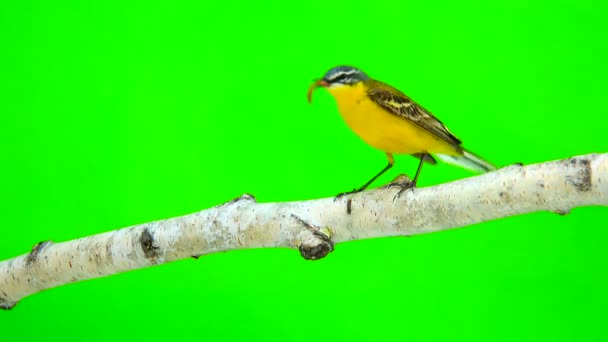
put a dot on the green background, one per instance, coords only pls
(115, 113)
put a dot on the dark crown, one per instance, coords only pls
(345, 75)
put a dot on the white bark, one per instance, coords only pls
(312, 226)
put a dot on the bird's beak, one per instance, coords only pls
(315, 85)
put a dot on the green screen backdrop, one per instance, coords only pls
(115, 113)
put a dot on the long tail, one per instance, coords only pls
(468, 161)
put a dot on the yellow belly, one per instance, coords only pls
(383, 130)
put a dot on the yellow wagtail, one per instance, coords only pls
(390, 121)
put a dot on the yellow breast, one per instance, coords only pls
(381, 129)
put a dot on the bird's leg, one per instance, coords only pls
(418, 170)
(412, 184)
(391, 162)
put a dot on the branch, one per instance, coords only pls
(310, 226)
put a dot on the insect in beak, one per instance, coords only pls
(315, 85)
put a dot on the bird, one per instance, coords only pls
(390, 121)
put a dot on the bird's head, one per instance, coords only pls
(340, 76)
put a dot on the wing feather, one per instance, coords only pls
(401, 105)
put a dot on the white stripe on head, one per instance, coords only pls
(345, 75)
(341, 73)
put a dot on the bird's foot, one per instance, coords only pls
(342, 194)
(403, 182)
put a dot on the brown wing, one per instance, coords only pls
(401, 105)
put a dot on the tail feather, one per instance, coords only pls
(468, 161)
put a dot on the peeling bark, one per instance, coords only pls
(312, 226)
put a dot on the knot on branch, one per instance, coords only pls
(33, 255)
(148, 245)
(243, 197)
(314, 242)
(581, 173)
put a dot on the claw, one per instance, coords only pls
(342, 194)
(404, 183)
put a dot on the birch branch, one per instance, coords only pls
(310, 226)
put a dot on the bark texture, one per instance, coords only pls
(310, 226)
